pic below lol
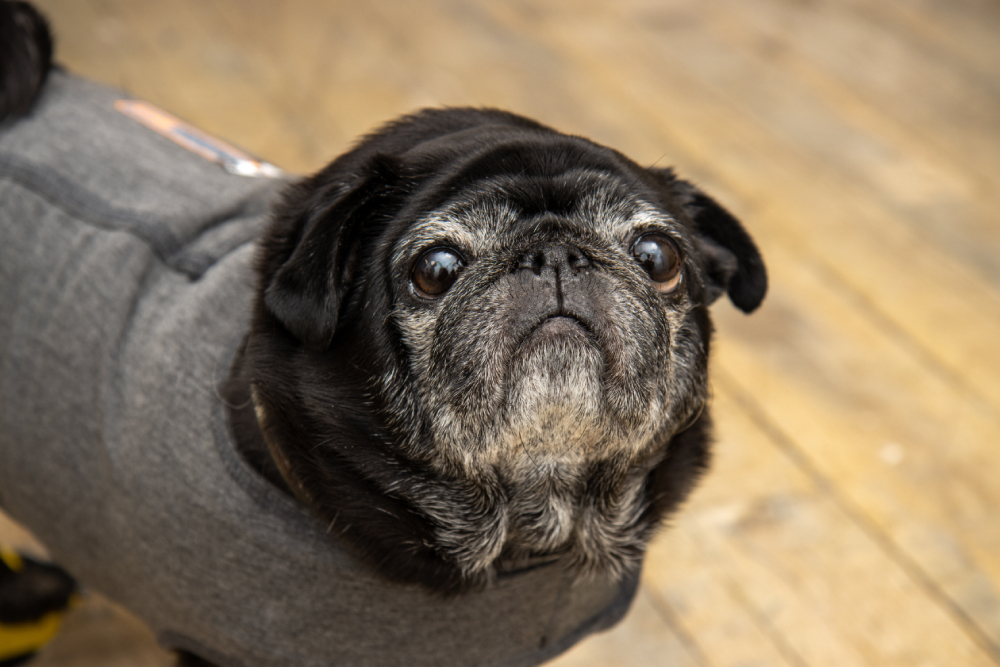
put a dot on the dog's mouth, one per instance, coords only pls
(555, 330)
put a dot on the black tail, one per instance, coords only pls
(25, 57)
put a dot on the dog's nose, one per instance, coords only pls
(563, 258)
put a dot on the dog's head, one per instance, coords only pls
(479, 341)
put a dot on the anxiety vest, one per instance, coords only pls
(125, 290)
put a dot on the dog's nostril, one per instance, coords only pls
(537, 262)
(533, 260)
(577, 259)
(557, 256)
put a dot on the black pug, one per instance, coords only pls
(518, 327)
(469, 386)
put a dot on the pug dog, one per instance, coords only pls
(468, 387)
(517, 322)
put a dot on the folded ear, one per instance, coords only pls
(310, 256)
(731, 258)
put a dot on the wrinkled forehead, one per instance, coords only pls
(496, 213)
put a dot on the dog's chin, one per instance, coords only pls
(555, 396)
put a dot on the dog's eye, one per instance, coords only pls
(661, 259)
(436, 271)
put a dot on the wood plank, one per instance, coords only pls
(330, 77)
(781, 553)
(963, 31)
(915, 166)
(914, 464)
(643, 639)
(14, 536)
(100, 633)
(704, 594)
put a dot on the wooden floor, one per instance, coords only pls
(852, 514)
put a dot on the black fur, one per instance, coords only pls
(25, 57)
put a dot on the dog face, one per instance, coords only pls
(479, 341)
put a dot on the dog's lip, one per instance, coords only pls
(559, 323)
(555, 326)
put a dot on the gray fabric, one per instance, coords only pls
(125, 287)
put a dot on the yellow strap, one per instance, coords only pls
(17, 639)
(12, 559)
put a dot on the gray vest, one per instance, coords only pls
(125, 289)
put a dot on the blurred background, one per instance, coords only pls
(852, 514)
